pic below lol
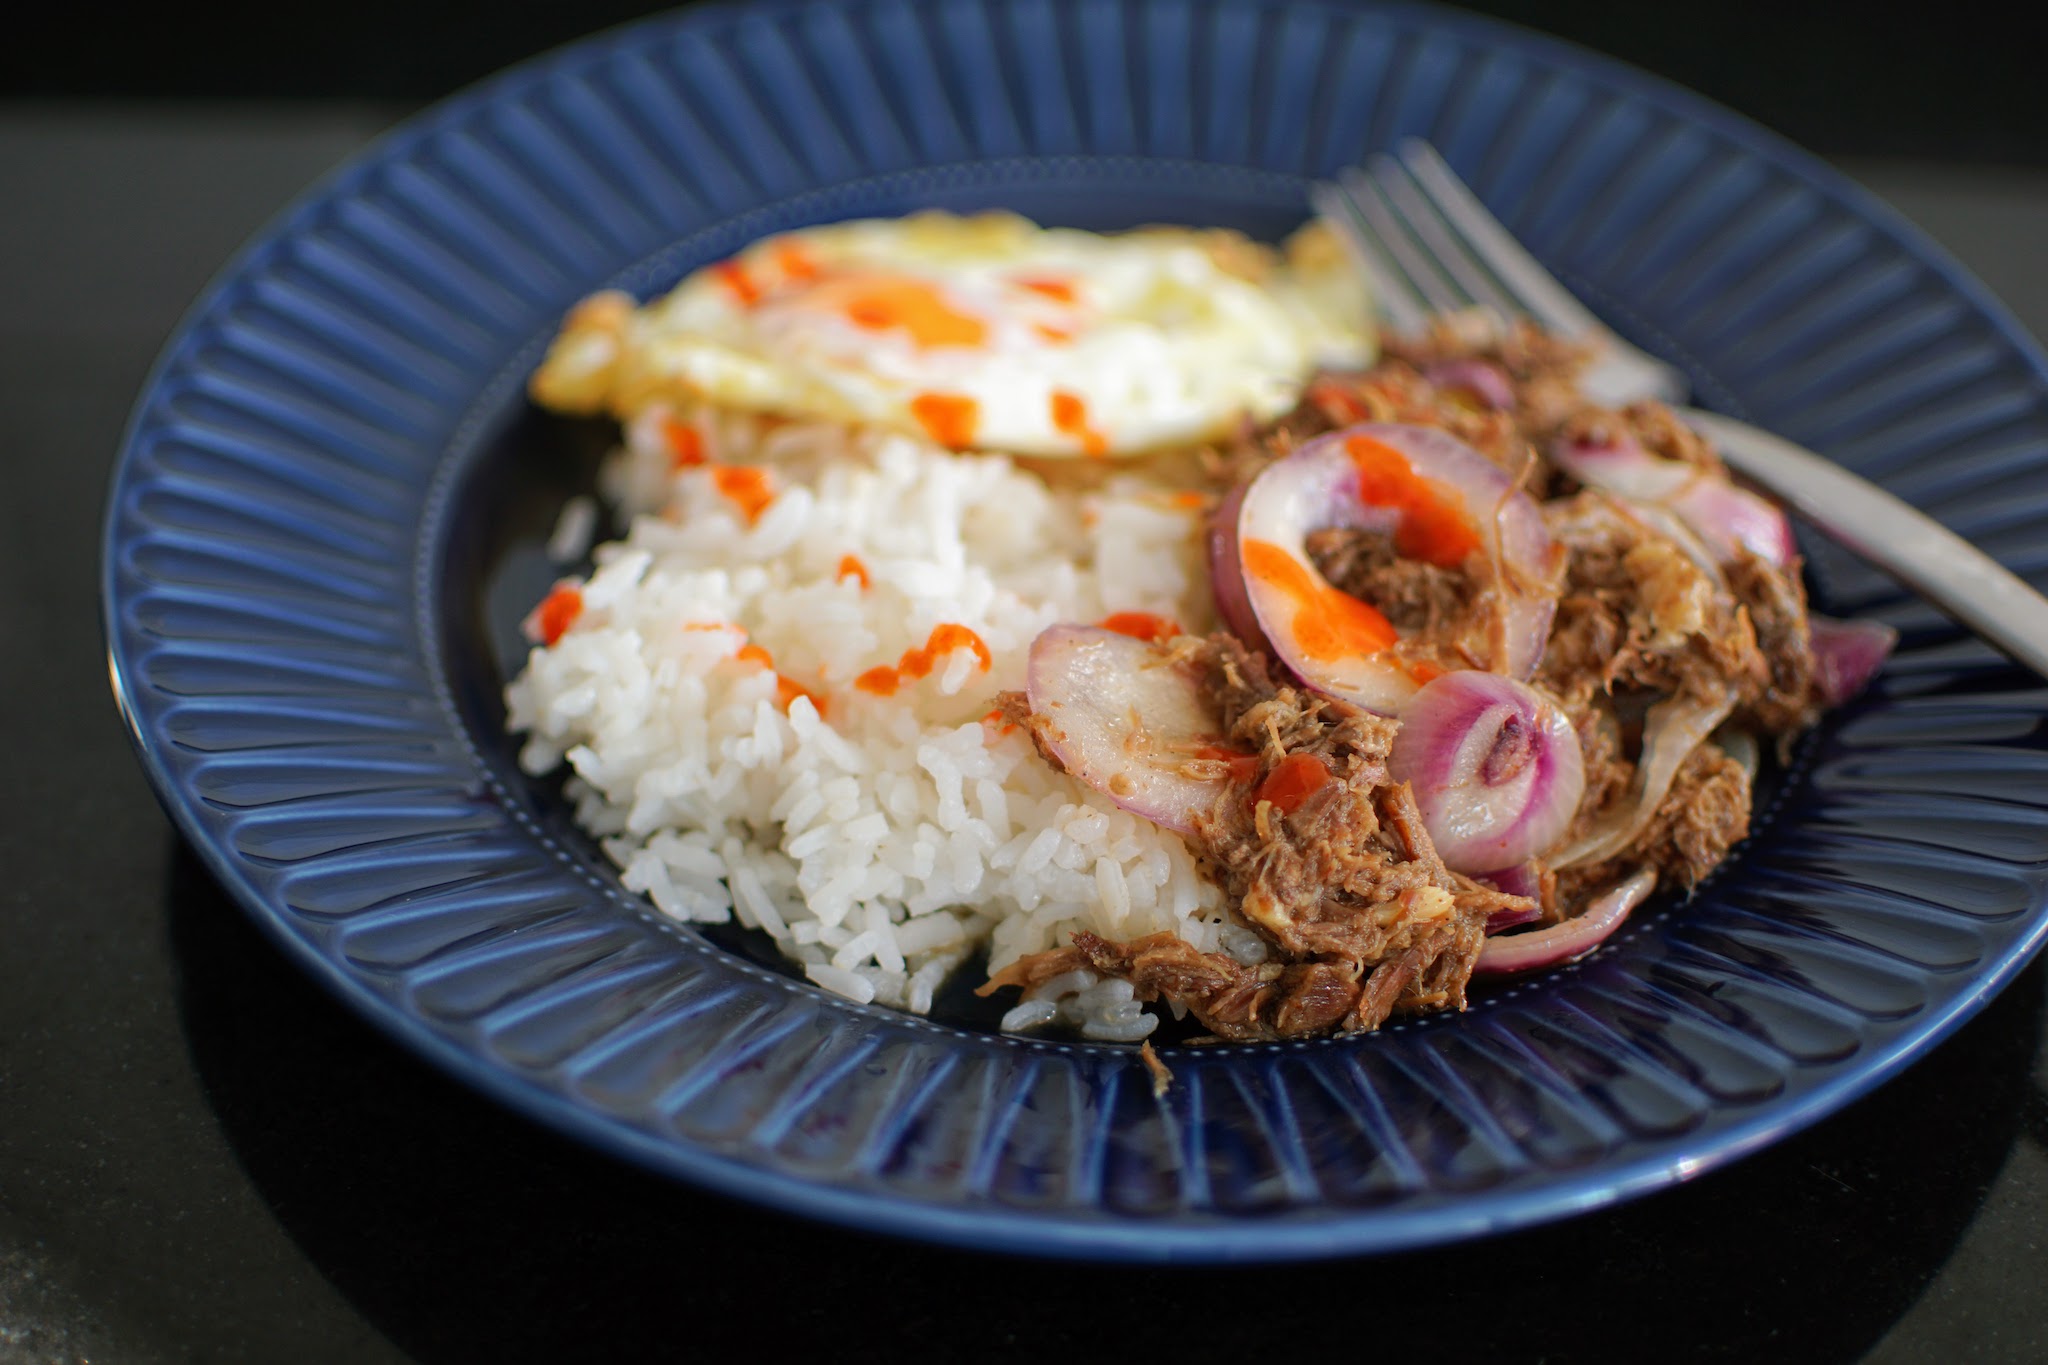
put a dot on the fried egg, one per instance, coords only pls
(984, 332)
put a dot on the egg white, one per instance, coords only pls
(1049, 342)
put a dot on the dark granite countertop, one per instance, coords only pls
(204, 1158)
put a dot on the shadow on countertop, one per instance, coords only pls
(466, 1233)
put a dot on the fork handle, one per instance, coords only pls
(1907, 544)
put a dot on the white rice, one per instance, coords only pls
(878, 844)
(574, 530)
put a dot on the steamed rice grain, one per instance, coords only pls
(880, 841)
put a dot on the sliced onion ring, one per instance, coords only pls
(1316, 488)
(1562, 942)
(1123, 716)
(1482, 379)
(1732, 519)
(1728, 518)
(1618, 464)
(1495, 768)
(1657, 518)
(1741, 746)
(1226, 574)
(1524, 880)
(1847, 654)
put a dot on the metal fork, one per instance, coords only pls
(1430, 247)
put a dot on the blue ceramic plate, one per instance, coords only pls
(325, 511)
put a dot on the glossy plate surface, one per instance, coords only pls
(308, 545)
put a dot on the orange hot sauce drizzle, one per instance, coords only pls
(883, 681)
(735, 278)
(787, 689)
(1061, 291)
(1070, 418)
(795, 263)
(557, 612)
(1293, 780)
(748, 488)
(879, 681)
(1434, 527)
(994, 721)
(686, 447)
(881, 303)
(1339, 404)
(950, 419)
(851, 567)
(1243, 766)
(1328, 625)
(1142, 625)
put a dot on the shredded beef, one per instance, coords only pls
(1396, 390)
(1447, 617)
(1415, 595)
(1705, 814)
(1636, 613)
(1789, 699)
(1543, 368)
(1269, 1001)
(1360, 916)
(1347, 886)
(1162, 1077)
(1655, 427)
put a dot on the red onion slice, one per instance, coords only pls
(1500, 921)
(1496, 769)
(1124, 716)
(1618, 464)
(1731, 519)
(1663, 521)
(1317, 487)
(1483, 379)
(1741, 746)
(1847, 654)
(1726, 517)
(1573, 938)
(1523, 879)
(1226, 574)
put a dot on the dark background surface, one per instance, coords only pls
(202, 1158)
(1960, 81)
